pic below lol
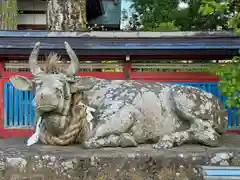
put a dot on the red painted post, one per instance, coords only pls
(127, 69)
(1, 98)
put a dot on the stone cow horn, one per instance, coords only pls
(75, 65)
(34, 68)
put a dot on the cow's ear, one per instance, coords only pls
(21, 83)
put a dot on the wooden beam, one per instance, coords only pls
(31, 26)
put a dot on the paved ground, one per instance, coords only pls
(73, 162)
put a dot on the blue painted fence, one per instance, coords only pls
(18, 109)
(19, 112)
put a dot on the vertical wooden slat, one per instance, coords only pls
(208, 88)
(31, 109)
(6, 104)
(230, 118)
(21, 114)
(213, 89)
(11, 105)
(203, 86)
(16, 107)
(238, 117)
(229, 110)
(234, 111)
(26, 108)
(233, 123)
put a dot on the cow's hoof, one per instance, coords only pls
(126, 140)
(163, 144)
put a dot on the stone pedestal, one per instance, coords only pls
(41, 162)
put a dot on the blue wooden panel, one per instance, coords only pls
(20, 112)
(17, 109)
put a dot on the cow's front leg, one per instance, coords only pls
(123, 140)
(112, 129)
(206, 136)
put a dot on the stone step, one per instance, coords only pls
(40, 162)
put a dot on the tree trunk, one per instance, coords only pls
(66, 15)
(8, 14)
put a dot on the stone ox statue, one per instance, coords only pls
(127, 112)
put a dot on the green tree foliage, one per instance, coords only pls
(229, 73)
(154, 15)
(150, 14)
(190, 19)
(228, 9)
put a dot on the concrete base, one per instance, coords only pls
(39, 162)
